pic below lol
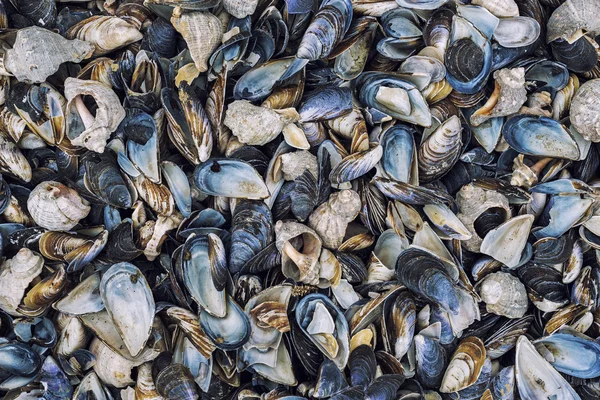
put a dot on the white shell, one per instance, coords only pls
(500, 8)
(108, 116)
(106, 33)
(585, 110)
(12, 160)
(508, 96)
(240, 8)
(56, 207)
(504, 294)
(112, 368)
(15, 276)
(331, 219)
(507, 241)
(202, 32)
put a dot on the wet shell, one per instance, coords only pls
(12, 161)
(584, 110)
(105, 33)
(202, 32)
(56, 207)
(506, 243)
(440, 151)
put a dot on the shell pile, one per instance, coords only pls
(298, 199)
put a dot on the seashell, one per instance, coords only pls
(446, 221)
(295, 163)
(517, 31)
(230, 332)
(508, 97)
(544, 286)
(105, 33)
(239, 8)
(440, 151)
(56, 207)
(421, 4)
(251, 232)
(300, 266)
(230, 178)
(161, 38)
(76, 250)
(580, 56)
(535, 376)
(402, 322)
(122, 286)
(12, 161)
(19, 359)
(352, 61)
(399, 155)
(188, 322)
(504, 295)
(431, 361)
(507, 242)
(202, 32)
(83, 299)
(582, 114)
(465, 365)
(54, 379)
(431, 279)
(83, 128)
(16, 274)
(356, 165)
(43, 51)
(331, 219)
(502, 8)
(111, 367)
(325, 104)
(44, 293)
(156, 195)
(393, 95)
(480, 211)
(573, 16)
(176, 381)
(564, 97)
(159, 234)
(257, 126)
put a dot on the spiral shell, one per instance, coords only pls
(56, 207)
(331, 219)
(202, 32)
(105, 33)
(85, 129)
(504, 295)
(440, 151)
(585, 110)
(240, 8)
(301, 266)
(15, 276)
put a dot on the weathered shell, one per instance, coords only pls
(517, 32)
(506, 242)
(254, 125)
(202, 32)
(15, 276)
(83, 128)
(300, 266)
(536, 378)
(230, 178)
(12, 161)
(508, 96)
(573, 16)
(331, 219)
(465, 365)
(42, 52)
(240, 8)
(480, 211)
(130, 304)
(440, 151)
(106, 33)
(504, 294)
(584, 110)
(56, 207)
(500, 8)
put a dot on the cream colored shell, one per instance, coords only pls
(15, 276)
(56, 207)
(504, 294)
(331, 219)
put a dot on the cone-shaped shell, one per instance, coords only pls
(506, 243)
(56, 207)
(300, 266)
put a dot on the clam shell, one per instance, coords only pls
(129, 302)
(507, 242)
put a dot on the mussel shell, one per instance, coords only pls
(230, 178)
(580, 56)
(229, 332)
(544, 286)
(431, 361)
(574, 354)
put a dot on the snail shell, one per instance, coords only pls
(504, 294)
(585, 110)
(331, 219)
(15, 276)
(56, 207)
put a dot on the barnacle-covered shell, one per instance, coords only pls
(56, 207)
(202, 32)
(240, 8)
(15, 276)
(584, 113)
(571, 18)
(508, 96)
(254, 125)
(504, 295)
(83, 128)
(106, 33)
(38, 53)
(331, 219)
